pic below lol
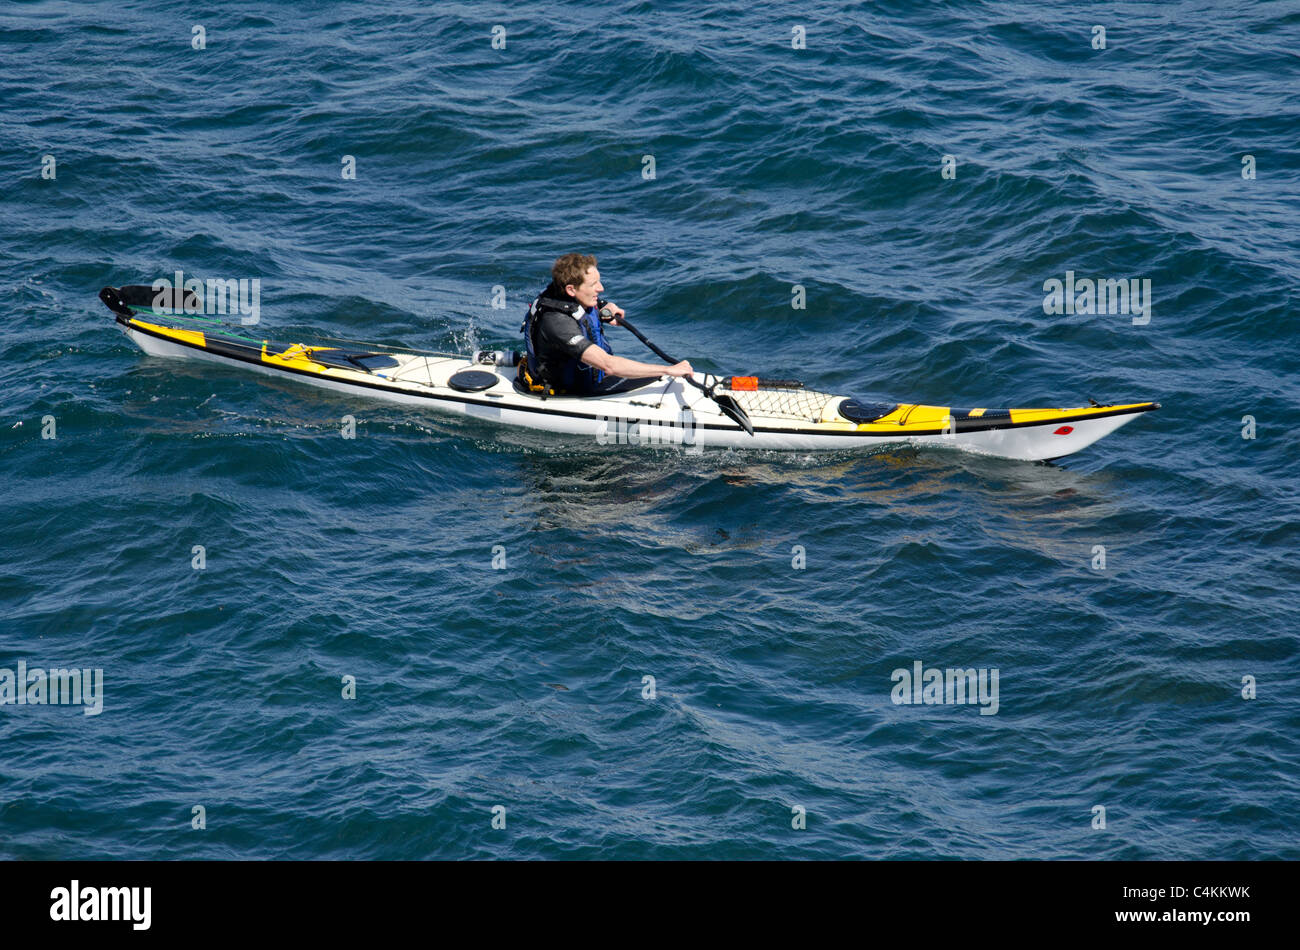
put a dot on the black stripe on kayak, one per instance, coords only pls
(234, 354)
(228, 348)
(990, 415)
(967, 424)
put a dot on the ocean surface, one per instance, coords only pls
(306, 648)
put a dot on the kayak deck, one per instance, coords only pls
(660, 411)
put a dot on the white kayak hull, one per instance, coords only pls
(663, 412)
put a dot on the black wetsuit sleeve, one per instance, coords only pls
(558, 335)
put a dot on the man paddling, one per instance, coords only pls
(567, 349)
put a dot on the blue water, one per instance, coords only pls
(522, 687)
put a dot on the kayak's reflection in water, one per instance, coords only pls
(572, 494)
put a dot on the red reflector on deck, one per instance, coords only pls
(1064, 430)
(744, 384)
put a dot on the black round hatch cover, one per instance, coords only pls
(472, 381)
(860, 412)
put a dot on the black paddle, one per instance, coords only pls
(726, 403)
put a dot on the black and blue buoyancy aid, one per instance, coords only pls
(561, 372)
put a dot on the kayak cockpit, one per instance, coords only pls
(622, 386)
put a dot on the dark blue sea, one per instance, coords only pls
(305, 647)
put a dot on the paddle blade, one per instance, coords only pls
(732, 409)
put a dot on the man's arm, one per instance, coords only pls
(630, 369)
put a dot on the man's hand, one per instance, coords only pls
(680, 369)
(613, 310)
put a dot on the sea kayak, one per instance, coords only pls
(784, 414)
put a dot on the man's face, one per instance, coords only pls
(589, 290)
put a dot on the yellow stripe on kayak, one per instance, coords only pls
(909, 417)
(913, 418)
(296, 356)
(1021, 416)
(193, 337)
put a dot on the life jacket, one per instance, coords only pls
(561, 374)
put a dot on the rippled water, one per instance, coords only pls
(525, 687)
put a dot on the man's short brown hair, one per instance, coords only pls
(572, 269)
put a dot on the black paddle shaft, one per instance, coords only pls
(726, 403)
(637, 333)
